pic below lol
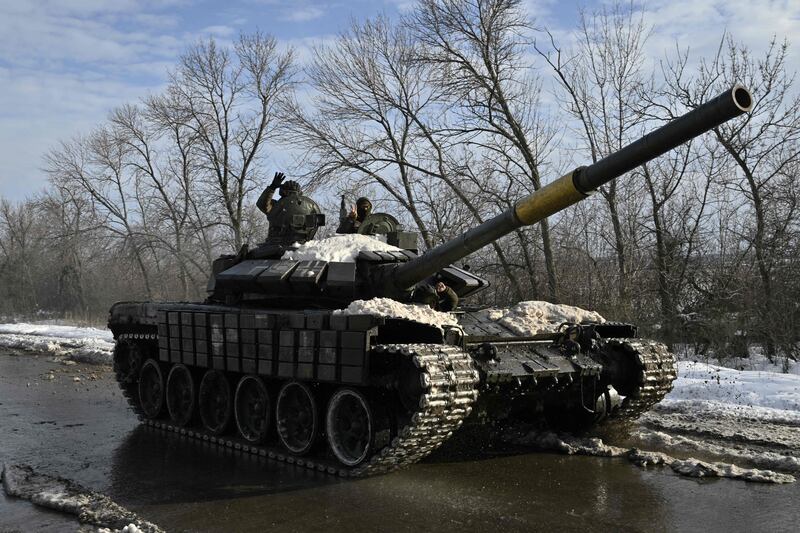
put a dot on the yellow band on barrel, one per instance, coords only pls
(550, 199)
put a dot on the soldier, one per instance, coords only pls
(293, 217)
(265, 202)
(436, 294)
(353, 220)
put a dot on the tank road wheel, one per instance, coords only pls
(296, 417)
(349, 426)
(180, 395)
(151, 389)
(215, 402)
(252, 409)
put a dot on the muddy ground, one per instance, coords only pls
(81, 429)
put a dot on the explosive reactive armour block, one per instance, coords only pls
(248, 351)
(265, 351)
(316, 320)
(307, 275)
(247, 321)
(285, 369)
(305, 371)
(265, 367)
(249, 366)
(247, 336)
(264, 322)
(327, 356)
(297, 320)
(326, 372)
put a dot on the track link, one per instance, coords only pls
(449, 382)
(657, 371)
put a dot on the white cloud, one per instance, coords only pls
(699, 25)
(302, 14)
(218, 31)
(65, 64)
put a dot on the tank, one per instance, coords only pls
(270, 365)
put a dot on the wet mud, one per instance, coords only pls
(82, 430)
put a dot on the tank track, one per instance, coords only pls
(657, 371)
(449, 382)
(129, 389)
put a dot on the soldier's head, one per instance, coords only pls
(289, 187)
(363, 208)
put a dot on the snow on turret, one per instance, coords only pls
(389, 308)
(342, 248)
(532, 317)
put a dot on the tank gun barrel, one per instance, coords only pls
(578, 184)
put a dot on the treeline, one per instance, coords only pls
(446, 116)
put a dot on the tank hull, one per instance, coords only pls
(413, 384)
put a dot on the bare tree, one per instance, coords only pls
(228, 100)
(95, 167)
(605, 90)
(478, 48)
(764, 146)
(19, 239)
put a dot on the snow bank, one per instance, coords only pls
(22, 481)
(532, 317)
(85, 345)
(389, 308)
(49, 330)
(685, 467)
(342, 248)
(715, 387)
(755, 361)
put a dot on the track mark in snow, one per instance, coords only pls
(60, 494)
(685, 467)
(758, 456)
(758, 432)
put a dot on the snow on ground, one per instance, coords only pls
(741, 415)
(710, 385)
(532, 317)
(341, 248)
(755, 360)
(393, 309)
(82, 344)
(64, 495)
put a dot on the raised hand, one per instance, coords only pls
(277, 180)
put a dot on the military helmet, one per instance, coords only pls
(363, 201)
(293, 218)
(289, 187)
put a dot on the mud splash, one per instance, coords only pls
(60, 494)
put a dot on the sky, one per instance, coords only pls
(65, 64)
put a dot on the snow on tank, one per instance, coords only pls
(533, 317)
(386, 307)
(340, 248)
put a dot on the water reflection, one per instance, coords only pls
(149, 466)
(491, 488)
